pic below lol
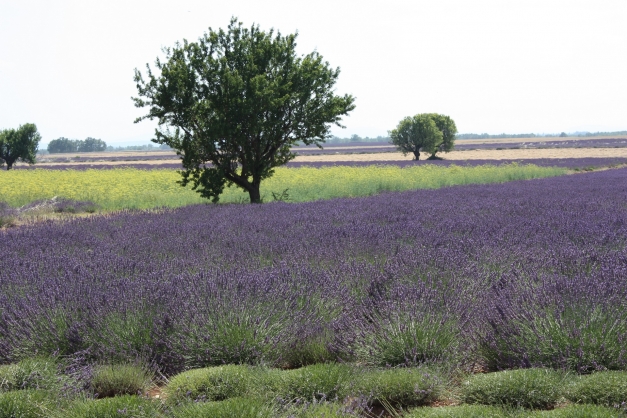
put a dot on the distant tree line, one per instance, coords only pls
(145, 147)
(562, 135)
(61, 145)
(357, 138)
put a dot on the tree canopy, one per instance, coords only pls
(19, 145)
(92, 145)
(234, 102)
(61, 145)
(428, 132)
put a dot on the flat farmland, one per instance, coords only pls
(466, 150)
(498, 289)
(480, 154)
(396, 299)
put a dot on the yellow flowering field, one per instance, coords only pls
(142, 189)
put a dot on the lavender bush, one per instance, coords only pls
(528, 273)
(7, 215)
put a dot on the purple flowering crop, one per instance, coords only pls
(572, 163)
(527, 273)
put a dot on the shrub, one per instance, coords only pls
(577, 411)
(74, 206)
(321, 410)
(230, 408)
(603, 388)
(33, 373)
(560, 322)
(399, 387)
(119, 406)
(526, 388)
(27, 403)
(327, 381)
(7, 215)
(409, 325)
(120, 379)
(462, 411)
(209, 384)
(7, 380)
(410, 342)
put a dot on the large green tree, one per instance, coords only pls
(19, 145)
(234, 102)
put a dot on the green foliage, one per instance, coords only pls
(230, 408)
(7, 379)
(92, 145)
(399, 387)
(210, 384)
(575, 411)
(526, 388)
(238, 100)
(19, 145)
(64, 145)
(235, 339)
(311, 349)
(329, 381)
(26, 404)
(417, 133)
(603, 388)
(119, 406)
(7, 220)
(447, 126)
(120, 379)
(410, 341)
(429, 132)
(30, 373)
(462, 411)
(548, 339)
(321, 410)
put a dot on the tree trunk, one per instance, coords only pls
(254, 193)
(417, 155)
(9, 165)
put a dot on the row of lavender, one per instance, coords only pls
(530, 273)
(572, 163)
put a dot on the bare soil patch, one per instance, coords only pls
(506, 154)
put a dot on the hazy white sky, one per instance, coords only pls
(514, 66)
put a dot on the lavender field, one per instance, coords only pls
(570, 163)
(527, 273)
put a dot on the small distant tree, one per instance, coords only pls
(415, 134)
(237, 100)
(563, 135)
(19, 145)
(428, 132)
(92, 145)
(62, 145)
